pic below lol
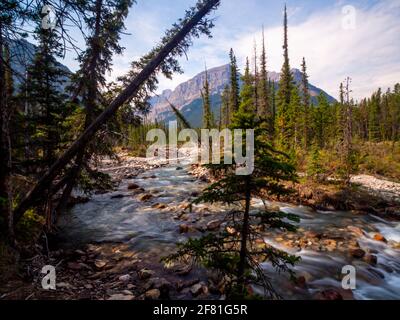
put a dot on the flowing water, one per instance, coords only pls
(121, 217)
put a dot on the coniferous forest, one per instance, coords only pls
(87, 214)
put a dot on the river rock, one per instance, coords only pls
(213, 225)
(145, 274)
(121, 297)
(133, 186)
(330, 244)
(125, 278)
(329, 294)
(180, 269)
(396, 245)
(185, 284)
(159, 206)
(64, 285)
(78, 266)
(183, 228)
(312, 235)
(357, 231)
(357, 253)
(301, 282)
(152, 294)
(379, 237)
(145, 197)
(196, 289)
(118, 196)
(100, 264)
(163, 285)
(371, 259)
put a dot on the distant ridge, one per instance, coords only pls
(187, 98)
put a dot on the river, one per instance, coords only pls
(146, 226)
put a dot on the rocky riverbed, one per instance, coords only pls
(111, 246)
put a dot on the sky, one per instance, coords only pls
(355, 38)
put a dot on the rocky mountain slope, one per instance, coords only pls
(22, 55)
(187, 96)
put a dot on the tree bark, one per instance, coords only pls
(124, 96)
(245, 234)
(5, 141)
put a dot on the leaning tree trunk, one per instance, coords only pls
(124, 96)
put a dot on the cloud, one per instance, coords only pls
(369, 53)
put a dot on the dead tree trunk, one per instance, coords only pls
(124, 96)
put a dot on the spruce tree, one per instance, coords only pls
(320, 121)
(12, 13)
(226, 114)
(208, 122)
(394, 111)
(247, 98)
(234, 88)
(306, 101)
(264, 98)
(374, 116)
(46, 99)
(284, 94)
(295, 124)
(232, 251)
(273, 106)
(256, 80)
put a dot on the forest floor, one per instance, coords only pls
(111, 271)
